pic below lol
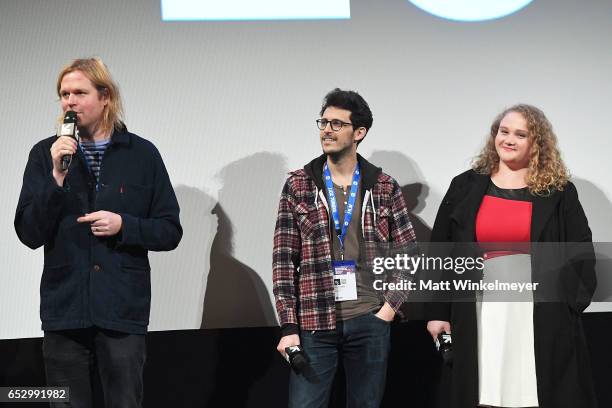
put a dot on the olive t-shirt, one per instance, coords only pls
(368, 299)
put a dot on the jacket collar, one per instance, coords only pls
(369, 172)
(542, 210)
(465, 211)
(120, 136)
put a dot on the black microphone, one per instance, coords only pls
(68, 128)
(296, 358)
(444, 344)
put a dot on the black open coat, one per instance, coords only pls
(562, 361)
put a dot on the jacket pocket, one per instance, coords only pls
(383, 221)
(307, 220)
(59, 293)
(133, 293)
(135, 199)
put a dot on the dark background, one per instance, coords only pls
(241, 368)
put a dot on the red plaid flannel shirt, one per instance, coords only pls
(302, 258)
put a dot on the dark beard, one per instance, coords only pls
(336, 157)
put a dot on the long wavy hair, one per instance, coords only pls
(99, 75)
(547, 172)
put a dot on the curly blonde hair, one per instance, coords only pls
(547, 172)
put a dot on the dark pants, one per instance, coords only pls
(73, 356)
(363, 345)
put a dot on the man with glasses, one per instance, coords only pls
(331, 213)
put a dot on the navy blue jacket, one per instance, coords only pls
(89, 280)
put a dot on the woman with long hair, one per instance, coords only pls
(514, 203)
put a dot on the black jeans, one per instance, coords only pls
(72, 356)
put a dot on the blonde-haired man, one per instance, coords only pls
(97, 220)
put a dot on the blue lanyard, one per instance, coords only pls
(348, 210)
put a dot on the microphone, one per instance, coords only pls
(68, 128)
(296, 358)
(444, 344)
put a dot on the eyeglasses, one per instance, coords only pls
(336, 124)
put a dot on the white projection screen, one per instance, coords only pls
(231, 104)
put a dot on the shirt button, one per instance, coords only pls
(97, 268)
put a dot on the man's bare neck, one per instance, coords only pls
(342, 169)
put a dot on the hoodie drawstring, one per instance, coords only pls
(373, 206)
(370, 196)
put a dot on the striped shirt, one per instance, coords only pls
(94, 152)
